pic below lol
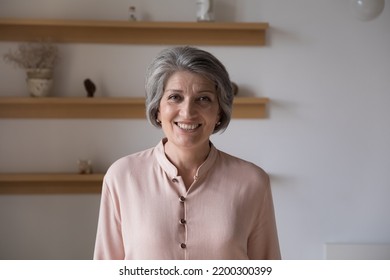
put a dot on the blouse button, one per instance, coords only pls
(183, 245)
(175, 180)
(182, 198)
(183, 221)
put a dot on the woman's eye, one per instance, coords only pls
(205, 99)
(174, 97)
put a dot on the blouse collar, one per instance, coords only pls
(171, 169)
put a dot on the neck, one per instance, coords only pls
(187, 160)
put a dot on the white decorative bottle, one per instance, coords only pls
(205, 10)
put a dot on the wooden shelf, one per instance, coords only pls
(105, 108)
(125, 32)
(50, 183)
(250, 107)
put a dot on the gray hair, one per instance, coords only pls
(195, 61)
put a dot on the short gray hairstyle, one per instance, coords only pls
(195, 61)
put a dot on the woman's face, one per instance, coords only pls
(188, 110)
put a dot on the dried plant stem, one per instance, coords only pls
(33, 56)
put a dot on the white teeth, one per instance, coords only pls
(187, 126)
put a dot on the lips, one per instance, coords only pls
(188, 127)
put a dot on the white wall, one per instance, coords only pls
(325, 143)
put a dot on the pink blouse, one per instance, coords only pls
(147, 213)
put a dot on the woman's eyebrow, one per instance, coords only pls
(173, 90)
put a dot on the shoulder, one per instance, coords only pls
(132, 160)
(131, 164)
(244, 180)
(241, 168)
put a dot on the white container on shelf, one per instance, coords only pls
(39, 87)
(205, 10)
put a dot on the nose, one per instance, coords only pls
(188, 109)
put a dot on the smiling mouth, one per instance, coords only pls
(187, 127)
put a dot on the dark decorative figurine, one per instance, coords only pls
(90, 87)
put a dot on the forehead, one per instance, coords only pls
(186, 77)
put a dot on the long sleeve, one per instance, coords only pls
(263, 241)
(109, 241)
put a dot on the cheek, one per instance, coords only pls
(165, 112)
(215, 114)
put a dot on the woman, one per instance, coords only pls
(184, 199)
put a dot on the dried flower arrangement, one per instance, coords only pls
(41, 55)
(38, 59)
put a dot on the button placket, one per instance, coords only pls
(182, 217)
(182, 220)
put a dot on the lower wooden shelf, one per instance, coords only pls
(50, 183)
(105, 108)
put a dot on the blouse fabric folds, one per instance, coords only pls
(147, 213)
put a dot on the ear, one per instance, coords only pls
(158, 117)
(219, 116)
